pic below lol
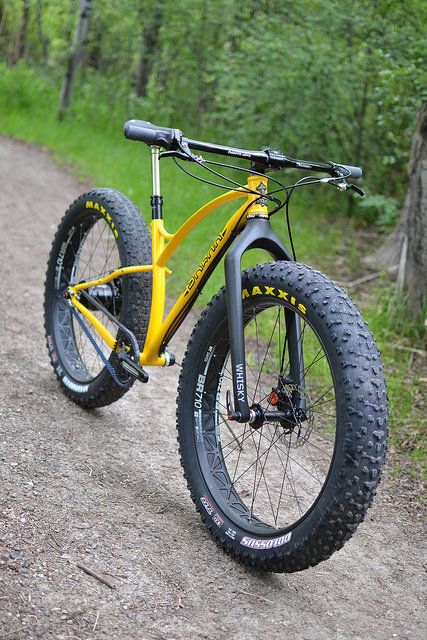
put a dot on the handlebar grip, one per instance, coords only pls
(355, 172)
(151, 134)
(134, 131)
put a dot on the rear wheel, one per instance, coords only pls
(283, 494)
(101, 231)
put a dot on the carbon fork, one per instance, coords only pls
(257, 234)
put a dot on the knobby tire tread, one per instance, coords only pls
(136, 242)
(366, 427)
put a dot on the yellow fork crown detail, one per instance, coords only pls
(258, 207)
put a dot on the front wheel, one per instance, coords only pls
(284, 494)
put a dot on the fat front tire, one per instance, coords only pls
(283, 495)
(101, 231)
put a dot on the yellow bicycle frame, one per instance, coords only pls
(159, 330)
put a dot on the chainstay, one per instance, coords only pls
(113, 319)
(98, 349)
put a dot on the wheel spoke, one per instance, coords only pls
(92, 252)
(272, 472)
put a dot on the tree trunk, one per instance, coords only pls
(21, 39)
(76, 56)
(406, 246)
(2, 20)
(389, 253)
(413, 271)
(43, 39)
(202, 94)
(148, 50)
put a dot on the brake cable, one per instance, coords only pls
(186, 154)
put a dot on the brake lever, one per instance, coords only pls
(183, 153)
(356, 189)
(175, 154)
(343, 185)
(183, 146)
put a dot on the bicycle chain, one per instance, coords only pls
(98, 349)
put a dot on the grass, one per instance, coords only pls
(401, 347)
(91, 141)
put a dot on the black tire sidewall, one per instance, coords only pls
(290, 550)
(133, 243)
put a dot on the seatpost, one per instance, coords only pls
(156, 198)
(158, 282)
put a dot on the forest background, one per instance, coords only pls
(320, 80)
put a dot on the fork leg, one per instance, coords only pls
(257, 234)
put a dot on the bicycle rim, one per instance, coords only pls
(90, 252)
(269, 477)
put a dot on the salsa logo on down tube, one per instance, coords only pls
(200, 269)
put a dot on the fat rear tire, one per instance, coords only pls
(101, 231)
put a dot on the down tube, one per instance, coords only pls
(187, 298)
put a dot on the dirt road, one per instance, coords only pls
(105, 489)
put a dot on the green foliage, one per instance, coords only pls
(380, 209)
(22, 89)
(330, 84)
(322, 80)
(399, 340)
(390, 317)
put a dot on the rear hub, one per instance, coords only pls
(108, 295)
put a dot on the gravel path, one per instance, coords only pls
(104, 489)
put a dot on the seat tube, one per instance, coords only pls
(156, 197)
(157, 245)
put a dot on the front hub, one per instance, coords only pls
(287, 399)
(286, 402)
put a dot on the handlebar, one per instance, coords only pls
(173, 139)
